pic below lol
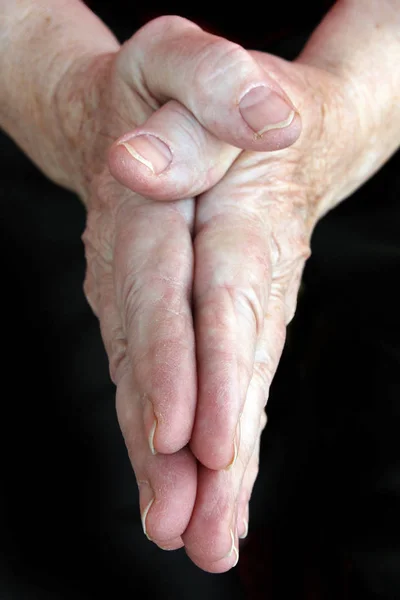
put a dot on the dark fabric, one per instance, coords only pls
(253, 28)
(324, 514)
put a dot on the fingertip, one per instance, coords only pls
(220, 565)
(164, 440)
(216, 433)
(165, 433)
(170, 545)
(168, 444)
(243, 522)
(244, 529)
(167, 503)
(138, 162)
(212, 455)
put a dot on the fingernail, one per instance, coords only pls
(150, 422)
(233, 550)
(237, 556)
(151, 437)
(150, 151)
(263, 110)
(236, 443)
(147, 498)
(246, 529)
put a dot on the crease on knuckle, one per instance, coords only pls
(263, 373)
(247, 301)
(117, 355)
(91, 292)
(217, 58)
(267, 358)
(165, 295)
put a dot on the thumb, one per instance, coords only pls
(216, 80)
(222, 100)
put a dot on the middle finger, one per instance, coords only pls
(231, 288)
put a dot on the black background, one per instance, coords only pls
(324, 514)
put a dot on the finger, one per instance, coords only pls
(223, 496)
(170, 156)
(243, 521)
(231, 287)
(268, 353)
(248, 482)
(171, 545)
(211, 539)
(153, 268)
(99, 289)
(217, 80)
(167, 484)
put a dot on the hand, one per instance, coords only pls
(139, 251)
(68, 92)
(251, 238)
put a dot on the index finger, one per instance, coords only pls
(153, 269)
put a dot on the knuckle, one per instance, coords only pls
(289, 240)
(263, 374)
(246, 449)
(267, 359)
(193, 134)
(130, 300)
(165, 24)
(163, 336)
(117, 356)
(164, 297)
(263, 421)
(217, 317)
(193, 149)
(250, 305)
(216, 64)
(91, 292)
(112, 330)
(292, 293)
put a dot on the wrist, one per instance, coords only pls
(43, 45)
(357, 45)
(80, 105)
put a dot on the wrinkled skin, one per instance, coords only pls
(194, 294)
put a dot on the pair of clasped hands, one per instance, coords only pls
(220, 161)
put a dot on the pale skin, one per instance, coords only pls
(194, 257)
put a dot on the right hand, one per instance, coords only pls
(174, 80)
